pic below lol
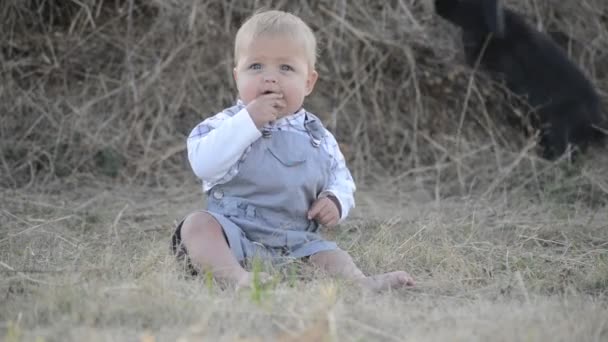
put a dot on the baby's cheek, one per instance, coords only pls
(247, 96)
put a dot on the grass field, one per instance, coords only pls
(91, 262)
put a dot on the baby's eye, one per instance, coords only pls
(286, 67)
(255, 66)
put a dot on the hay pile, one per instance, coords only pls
(112, 88)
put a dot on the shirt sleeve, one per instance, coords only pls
(341, 184)
(216, 144)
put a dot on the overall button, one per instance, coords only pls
(218, 194)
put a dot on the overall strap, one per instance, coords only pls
(315, 129)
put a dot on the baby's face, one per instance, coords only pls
(274, 64)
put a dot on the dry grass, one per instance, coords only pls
(93, 263)
(113, 87)
(98, 96)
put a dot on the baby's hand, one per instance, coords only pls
(325, 212)
(266, 108)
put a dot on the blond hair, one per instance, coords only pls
(276, 22)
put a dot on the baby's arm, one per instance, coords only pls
(218, 142)
(341, 184)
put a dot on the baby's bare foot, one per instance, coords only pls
(392, 280)
(246, 281)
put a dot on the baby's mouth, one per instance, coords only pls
(268, 92)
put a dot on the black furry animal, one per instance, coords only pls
(568, 109)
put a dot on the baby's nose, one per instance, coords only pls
(270, 78)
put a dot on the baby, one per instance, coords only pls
(273, 174)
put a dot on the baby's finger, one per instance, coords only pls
(316, 208)
(325, 216)
(332, 222)
(326, 210)
(280, 103)
(333, 219)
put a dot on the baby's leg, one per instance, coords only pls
(208, 249)
(339, 263)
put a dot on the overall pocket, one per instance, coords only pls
(286, 157)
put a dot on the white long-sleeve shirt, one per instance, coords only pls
(234, 133)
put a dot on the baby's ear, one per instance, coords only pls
(311, 81)
(234, 74)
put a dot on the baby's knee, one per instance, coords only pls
(200, 224)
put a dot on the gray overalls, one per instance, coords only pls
(263, 209)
